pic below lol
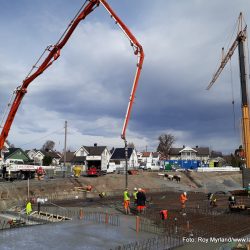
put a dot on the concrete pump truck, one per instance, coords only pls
(53, 52)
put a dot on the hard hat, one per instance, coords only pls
(185, 193)
(139, 189)
(135, 189)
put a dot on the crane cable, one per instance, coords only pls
(41, 138)
(7, 108)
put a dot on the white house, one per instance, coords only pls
(118, 157)
(147, 158)
(188, 153)
(92, 156)
(155, 158)
(38, 155)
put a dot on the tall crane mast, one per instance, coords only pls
(240, 43)
(54, 53)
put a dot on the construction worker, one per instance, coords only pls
(40, 173)
(89, 188)
(126, 201)
(135, 195)
(28, 208)
(231, 201)
(164, 214)
(183, 199)
(141, 201)
(213, 200)
(102, 194)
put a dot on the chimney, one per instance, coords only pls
(95, 144)
(196, 146)
(183, 146)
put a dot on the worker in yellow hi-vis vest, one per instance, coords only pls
(28, 208)
(126, 201)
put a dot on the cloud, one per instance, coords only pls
(90, 84)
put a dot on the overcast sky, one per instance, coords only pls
(89, 85)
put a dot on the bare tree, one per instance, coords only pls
(165, 143)
(48, 146)
(131, 145)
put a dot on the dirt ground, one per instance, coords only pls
(13, 193)
(200, 219)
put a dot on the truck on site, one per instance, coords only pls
(152, 167)
(97, 169)
(53, 52)
(16, 169)
(111, 168)
(94, 168)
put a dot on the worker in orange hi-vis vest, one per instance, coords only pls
(126, 201)
(183, 199)
(164, 214)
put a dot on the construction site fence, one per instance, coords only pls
(103, 218)
(76, 213)
(4, 224)
(159, 242)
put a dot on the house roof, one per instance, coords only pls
(188, 149)
(95, 150)
(146, 154)
(38, 151)
(69, 157)
(119, 153)
(199, 150)
(52, 154)
(202, 150)
(13, 151)
(155, 154)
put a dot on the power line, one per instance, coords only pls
(43, 137)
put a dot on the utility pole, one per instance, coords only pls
(28, 186)
(65, 146)
(126, 163)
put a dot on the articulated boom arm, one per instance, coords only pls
(138, 50)
(54, 53)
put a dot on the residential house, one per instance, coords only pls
(31, 153)
(147, 159)
(16, 154)
(118, 157)
(155, 158)
(68, 159)
(139, 157)
(54, 155)
(188, 153)
(38, 155)
(98, 156)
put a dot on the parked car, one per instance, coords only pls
(153, 167)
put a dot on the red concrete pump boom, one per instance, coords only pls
(54, 53)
